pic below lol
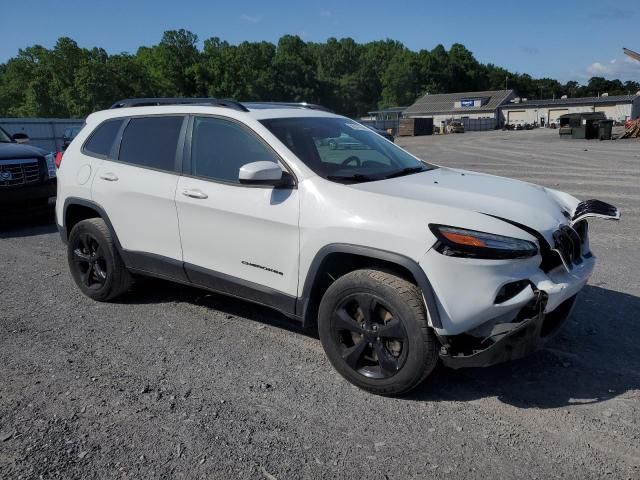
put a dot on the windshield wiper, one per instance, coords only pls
(406, 171)
(356, 177)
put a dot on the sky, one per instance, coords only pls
(562, 39)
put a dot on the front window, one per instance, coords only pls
(219, 148)
(342, 150)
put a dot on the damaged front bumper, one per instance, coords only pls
(493, 311)
(496, 311)
(507, 341)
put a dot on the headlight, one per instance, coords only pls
(460, 242)
(51, 165)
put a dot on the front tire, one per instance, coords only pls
(373, 327)
(94, 262)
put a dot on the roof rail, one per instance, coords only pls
(149, 102)
(310, 106)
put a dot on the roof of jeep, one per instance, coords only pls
(256, 111)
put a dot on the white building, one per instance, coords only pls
(543, 112)
(476, 110)
(493, 109)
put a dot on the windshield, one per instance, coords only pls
(4, 136)
(342, 150)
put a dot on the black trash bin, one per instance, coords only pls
(605, 127)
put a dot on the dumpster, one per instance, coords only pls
(605, 127)
(581, 125)
(579, 132)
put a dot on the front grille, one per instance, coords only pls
(569, 244)
(19, 172)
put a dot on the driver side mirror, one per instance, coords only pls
(264, 173)
(20, 137)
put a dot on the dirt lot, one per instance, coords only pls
(173, 382)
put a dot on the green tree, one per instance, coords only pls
(401, 80)
(349, 77)
(371, 68)
(294, 71)
(171, 65)
(434, 70)
(464, 71)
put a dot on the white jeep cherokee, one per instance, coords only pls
(399, 262)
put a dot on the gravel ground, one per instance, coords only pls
(173, 382)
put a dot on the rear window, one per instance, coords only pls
(102, 138)
(151, 142)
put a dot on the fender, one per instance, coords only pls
(89, 204)
(418, 274)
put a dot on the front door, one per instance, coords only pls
(238, 239)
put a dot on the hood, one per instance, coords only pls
(18, 150)
(514, 200)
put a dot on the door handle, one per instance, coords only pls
(109, 177)
(195, 193)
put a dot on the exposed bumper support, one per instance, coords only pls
(511, 341)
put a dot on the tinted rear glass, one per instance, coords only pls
(151, 142)
(103, 137)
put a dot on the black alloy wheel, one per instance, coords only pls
(94, 261)
(90, 261)
(373, 341)
(374, 328)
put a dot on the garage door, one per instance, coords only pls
(612, 112)
(555, 114)
(517, 116)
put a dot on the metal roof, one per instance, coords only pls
(389, 110)
(572, 101)
(445, 103)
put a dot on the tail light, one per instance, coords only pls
(58, 159)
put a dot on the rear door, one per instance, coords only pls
(136, 187)
(236, 238)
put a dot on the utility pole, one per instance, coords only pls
(506, 82)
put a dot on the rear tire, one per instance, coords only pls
(373, 327)
(94, 262)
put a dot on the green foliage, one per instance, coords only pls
(351, 78)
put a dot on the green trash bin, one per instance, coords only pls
(605, 127)
(579, 132)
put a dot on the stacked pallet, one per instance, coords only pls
(411, 127)
(631, 129)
